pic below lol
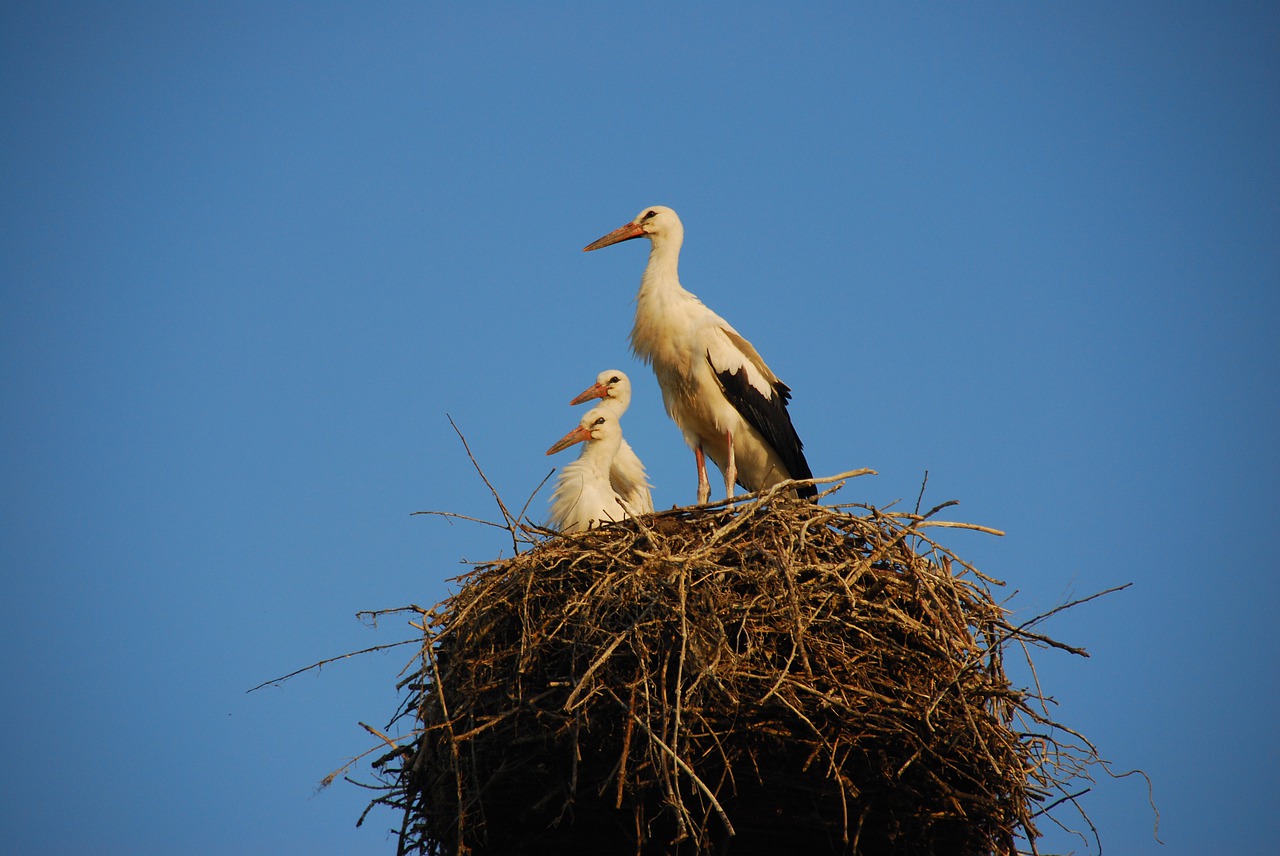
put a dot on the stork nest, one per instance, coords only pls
(767, 677)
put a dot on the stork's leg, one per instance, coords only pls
(704, 486)
(730, 469)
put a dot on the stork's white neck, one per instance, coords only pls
(664, 309)
(617, 401)
(597, 455)
(662, 273)
(664, 256)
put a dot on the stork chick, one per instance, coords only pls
(583, 496)
(627, 473)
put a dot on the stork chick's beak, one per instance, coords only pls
(577, 435)
(598, 390)
(622, 233)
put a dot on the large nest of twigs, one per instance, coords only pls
(768, 677)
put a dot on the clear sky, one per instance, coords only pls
(252, 255)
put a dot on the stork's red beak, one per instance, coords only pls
(622, 233)
(577, 435)
(598, 390)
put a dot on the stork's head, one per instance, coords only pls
(657, 223)
(610, 384)
(599, 424)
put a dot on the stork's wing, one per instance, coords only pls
(761, 400)
(748, 351)
(628, 478)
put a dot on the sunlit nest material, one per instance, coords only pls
(768, 677)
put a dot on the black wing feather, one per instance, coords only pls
(768, 416)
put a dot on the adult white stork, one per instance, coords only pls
(716, 387)
(627, 474)
(583, 496)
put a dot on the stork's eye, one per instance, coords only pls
(614, 379)
(599, 421)
(649, 215)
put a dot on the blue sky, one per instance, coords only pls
(253, 254)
